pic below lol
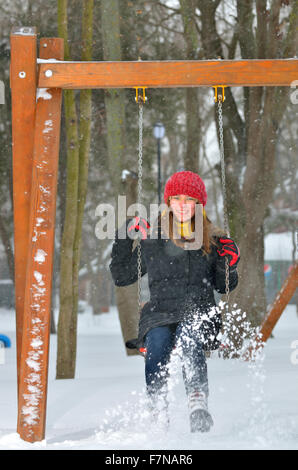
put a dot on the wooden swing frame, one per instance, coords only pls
(36, 91)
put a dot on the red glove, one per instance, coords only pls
(139, 224)
(229, 248)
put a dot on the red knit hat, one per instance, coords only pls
(186, 182)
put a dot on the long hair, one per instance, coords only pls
(209, 231)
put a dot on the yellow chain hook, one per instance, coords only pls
(219, 97)
(142, 97)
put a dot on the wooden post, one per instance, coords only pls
(23, 77)
(37, 304)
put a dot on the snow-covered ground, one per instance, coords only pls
(254, 406)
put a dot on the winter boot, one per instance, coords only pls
(199, 416)
(159, 413)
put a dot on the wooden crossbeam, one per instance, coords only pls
(166, 74)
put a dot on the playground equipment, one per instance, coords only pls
(5, 340)
(36, 91)
(281, 301)
(4, 343)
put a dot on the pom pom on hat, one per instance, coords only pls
(186, 182)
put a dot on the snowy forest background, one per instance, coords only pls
(101, 132)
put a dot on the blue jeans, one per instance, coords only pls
(160, 342)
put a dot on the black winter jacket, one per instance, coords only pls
(181, 284)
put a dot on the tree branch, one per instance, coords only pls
(273, 30)
(153, 2)
(245, 29)
(261, 30)
(290, 42)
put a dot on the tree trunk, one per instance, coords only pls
(114, 99)
(66, 346)
(265, 111)
(193, 141)
(126, 297)
(256, 144)
(84, 149)
(7, 247)
(193, 136)
(258, 187)
(78, 146)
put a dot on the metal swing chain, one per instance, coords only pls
(223, 179)
(139, 195)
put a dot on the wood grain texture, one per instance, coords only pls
(166, 74)
(37, 304)
(23, 81)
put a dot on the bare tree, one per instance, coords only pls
(251, 141)
(116, 138)
(78, 143)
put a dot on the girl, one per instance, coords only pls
(182, 311)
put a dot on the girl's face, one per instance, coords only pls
(183, 207)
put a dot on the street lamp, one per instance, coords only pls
(158, 132)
